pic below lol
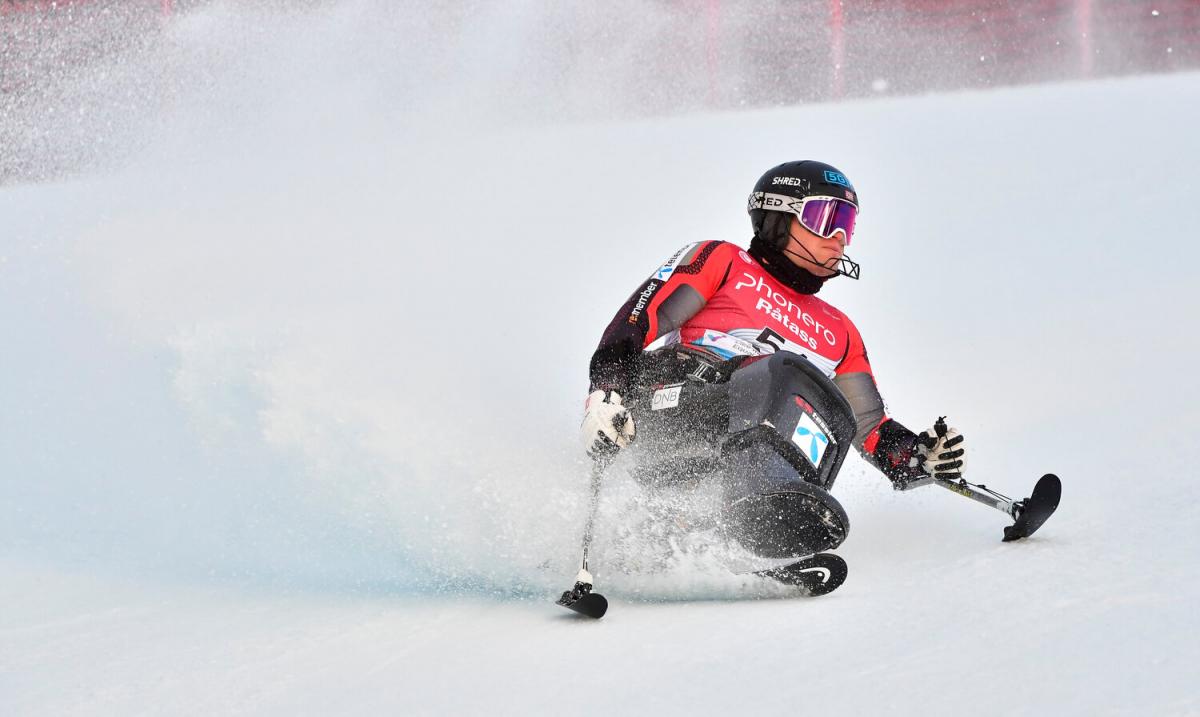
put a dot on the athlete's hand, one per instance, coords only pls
(607, 426)
(942, 451)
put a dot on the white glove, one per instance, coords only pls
(943, 451)
(607, 425)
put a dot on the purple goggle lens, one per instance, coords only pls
(825, 216)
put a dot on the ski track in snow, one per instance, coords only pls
(289, 417)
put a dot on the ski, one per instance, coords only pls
(818, 574)
(1032, 512)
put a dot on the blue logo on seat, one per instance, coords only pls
(810, 439)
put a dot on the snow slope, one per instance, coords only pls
(290, 394)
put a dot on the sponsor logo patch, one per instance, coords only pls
(643, 299)
(779, 307)
(810, 439)
(666, 270)
(725, 345)
(837, 178)
(666, 397)
(792, 181)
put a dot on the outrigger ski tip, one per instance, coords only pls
(1028, 515)
(582, 600)
(1032, 512)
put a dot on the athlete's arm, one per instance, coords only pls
(882, 441)
(663, 303)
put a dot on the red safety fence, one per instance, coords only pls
(627, 58)
(789, 52)
(734, 53)
(1021, 41)
(43, 38)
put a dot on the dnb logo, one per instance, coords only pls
(810, 439)
(837, 178)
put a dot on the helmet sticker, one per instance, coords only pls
(837, 178)
(794, 182)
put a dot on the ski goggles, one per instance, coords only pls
(823, 216)
(826, 216)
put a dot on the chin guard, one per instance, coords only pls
(843, 266)
(846, 267)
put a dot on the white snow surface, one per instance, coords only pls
(290, 395)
